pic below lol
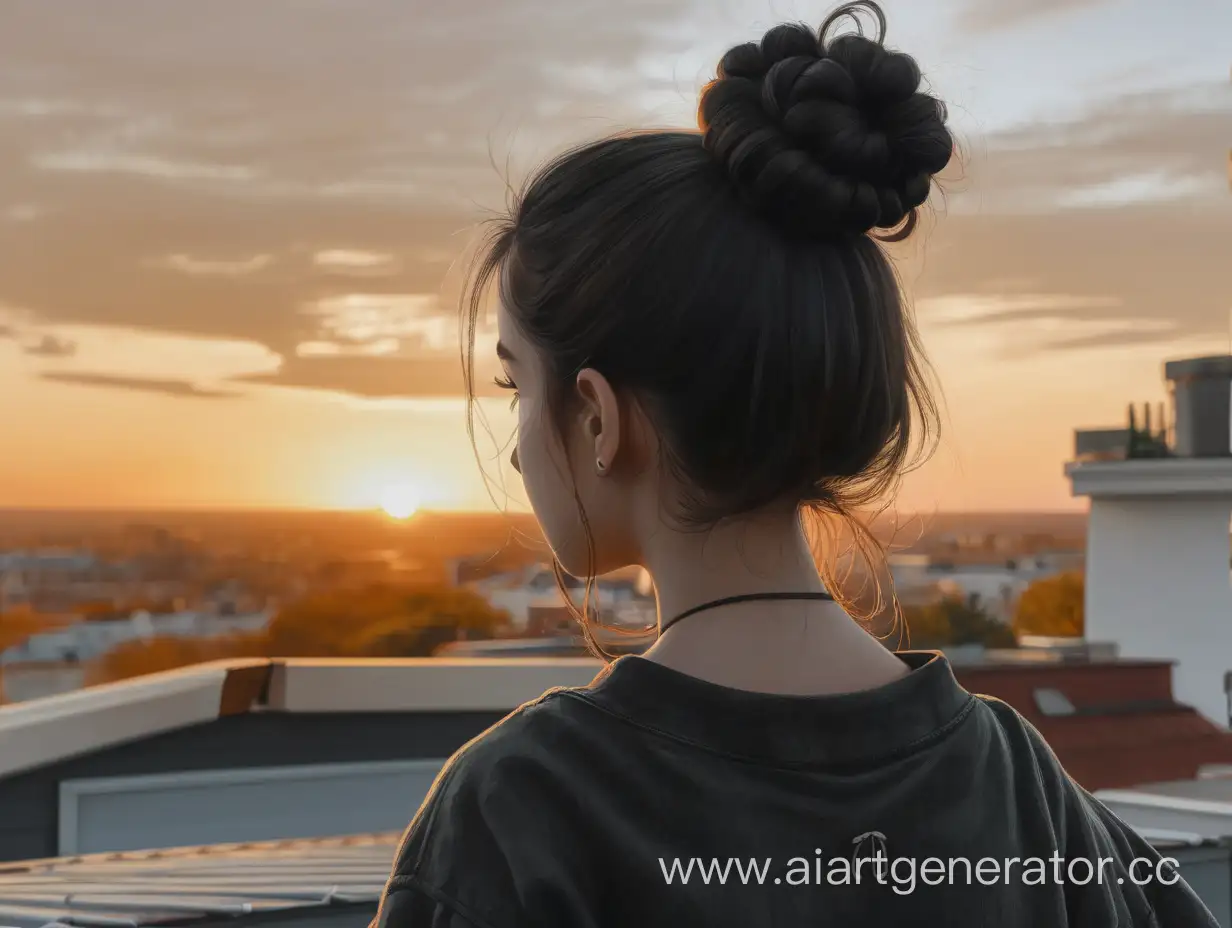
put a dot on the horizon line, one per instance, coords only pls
(377, 510)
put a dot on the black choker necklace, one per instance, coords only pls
(742, 598)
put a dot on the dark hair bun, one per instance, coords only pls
(826, 137)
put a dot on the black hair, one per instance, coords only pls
(733, 280)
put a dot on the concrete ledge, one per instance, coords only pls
(422, 685)
(1154, 477)
(44, 730)
(47, 730)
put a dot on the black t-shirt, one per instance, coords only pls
(654, 798)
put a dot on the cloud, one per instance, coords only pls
(201, 147)
(1054, 222)
(1116, 337)
(1048, 322)
(376, 376)
(179, 388)
(415, 103)
(188, 264)
(365, 182)
(22, 212)
(1133, 266)
(991, 15)
(998, 306)
(102, 162)
(1158, 147)
(51, 346)
(355, 262)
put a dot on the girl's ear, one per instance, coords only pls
(600, 413)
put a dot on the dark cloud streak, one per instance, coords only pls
(180, 388)
(379, 377)
(1112, 339)
(51, 346)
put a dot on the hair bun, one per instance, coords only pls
(827, 137)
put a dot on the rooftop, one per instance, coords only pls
(323, 882)
(46, 730)
(334, 882)
(344, 745)
(1113, 723)
(1202, 789)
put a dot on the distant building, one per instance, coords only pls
(87, 639)
(994, 586)
(13, 592)
(26, 576)
(48, 564)
(532, 598)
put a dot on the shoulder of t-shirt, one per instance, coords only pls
(408, 902)
(1038, 772)
(471, 794)
(1086, 828)
(1074, 811)
(469, 844)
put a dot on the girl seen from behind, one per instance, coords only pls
(707, 341)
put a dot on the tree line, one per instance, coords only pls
(1051, 606)
(388, 621)
(382, 621)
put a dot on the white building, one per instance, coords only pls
(994, 587)
(48, 562)
(1157, 567)
(13, 592)
(520, 591)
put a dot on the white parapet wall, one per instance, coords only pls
(1157, 567)
(44, 731)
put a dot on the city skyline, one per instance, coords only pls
(227, 261)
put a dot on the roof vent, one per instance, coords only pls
(1053, 702)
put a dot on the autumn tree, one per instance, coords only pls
(1052, 606)
(953, 620)
(19, 623)
(382, 621)
(155, 655)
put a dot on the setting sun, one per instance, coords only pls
(400, 501)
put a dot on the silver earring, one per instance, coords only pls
(599, 465)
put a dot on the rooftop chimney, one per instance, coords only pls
(1202, 406)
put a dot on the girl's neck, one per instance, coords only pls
(803, 647)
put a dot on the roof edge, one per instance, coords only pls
(45, 731)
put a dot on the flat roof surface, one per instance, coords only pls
(300, 882)
(1208, 789)
(306, 881)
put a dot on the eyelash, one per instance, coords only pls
(506, 384)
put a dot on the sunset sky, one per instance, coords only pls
(228, 230)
